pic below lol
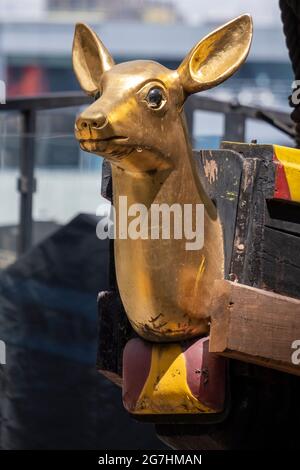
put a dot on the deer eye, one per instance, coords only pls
(155, 98)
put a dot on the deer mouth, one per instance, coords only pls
(113, 146)
(113, 138)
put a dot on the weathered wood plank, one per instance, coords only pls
(280, 262)
(283, 215)
(255, 326)
(220, 173)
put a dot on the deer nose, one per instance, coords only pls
(97, 122)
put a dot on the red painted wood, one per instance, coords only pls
(281, 190)
(206, 374)
(136, 367)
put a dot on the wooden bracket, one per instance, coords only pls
(254, 325)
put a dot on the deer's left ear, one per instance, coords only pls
(90, 58)
(217, 56)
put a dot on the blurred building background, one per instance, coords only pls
(36, 38)
(35, 58)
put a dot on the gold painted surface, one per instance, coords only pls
(165, 289)
(166, 390)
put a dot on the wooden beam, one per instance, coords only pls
(256, 326)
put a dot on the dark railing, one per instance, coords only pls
(234, 130)
(236, 116)
(28, 107)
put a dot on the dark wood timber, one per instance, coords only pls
(265, 255)
(220, 172)
(262, 246)
(261, 235)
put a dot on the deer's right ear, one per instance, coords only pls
(90, 58)
(217, 56)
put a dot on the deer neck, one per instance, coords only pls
(161, 277)
(148, 177)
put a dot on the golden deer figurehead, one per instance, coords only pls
(136, 122)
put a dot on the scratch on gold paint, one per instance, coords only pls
(200, 272)
(211, 170)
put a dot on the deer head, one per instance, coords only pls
(136, 122)
(138, 104)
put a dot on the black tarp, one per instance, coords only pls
(51, 395)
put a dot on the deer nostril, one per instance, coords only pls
(81, 124)
(99, 122)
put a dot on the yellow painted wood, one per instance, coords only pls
(166, 390)
(290, 159)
